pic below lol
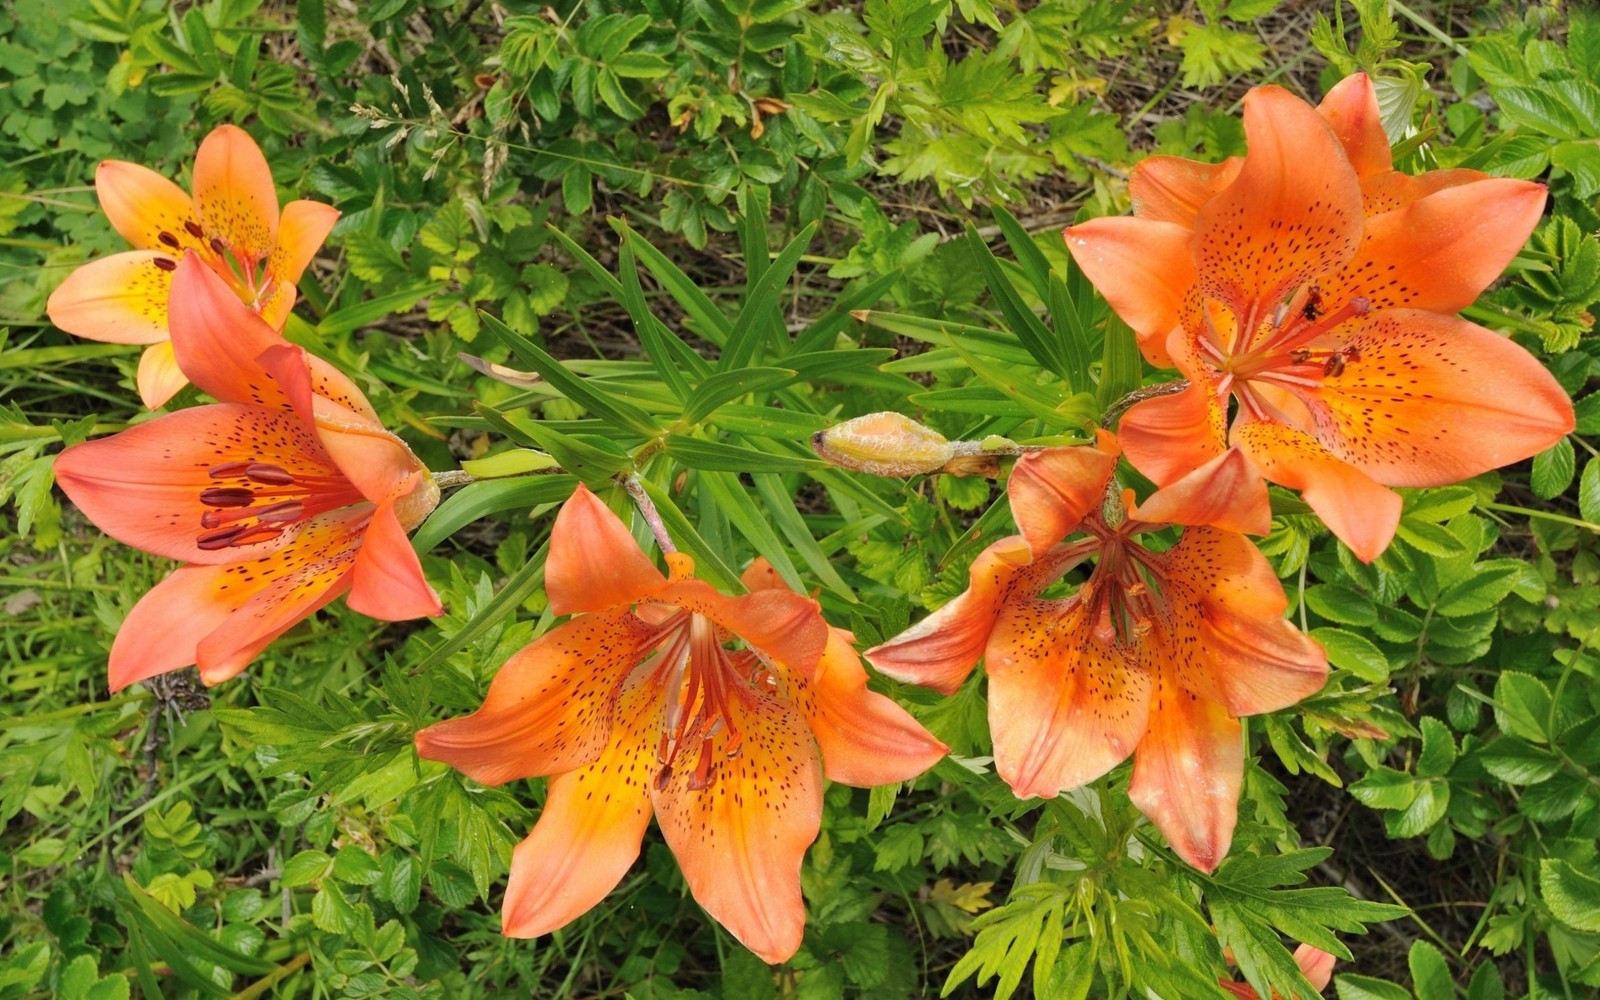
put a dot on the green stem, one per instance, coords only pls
(73, 710)
(270, 980)
(1544, 515)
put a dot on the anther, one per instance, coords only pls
(271, 475)
(281, 513)
(703, 768)
(227, 496)
(165, 263)
(229, 470)
(193, 229)
(218, 246)
(1334, 366)
(1300, 355)
(218, 539)
(168, 239)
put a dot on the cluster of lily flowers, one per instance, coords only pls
(1308, 281)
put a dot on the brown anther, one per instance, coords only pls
(168, 239)
(1352, 352)
(227, 496)
(165, 263)
(1300, 355)
(193, 229)
(271, 475)
(664, 778)
(218, 246)
(256, 533)
(1334, 366)
(703, 768)
(215, 540)
(229, 470)
(280, 513)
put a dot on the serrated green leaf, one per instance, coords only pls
(1553, 469)
(1430, 973)
(1353, 652)
(1573, 896)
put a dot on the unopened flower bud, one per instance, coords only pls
(883, 444)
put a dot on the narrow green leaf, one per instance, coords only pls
(1024, 324)
(479, 500)
(602, 402)
(744, 341)
(724, 387)
(719, 456)
(520, 587)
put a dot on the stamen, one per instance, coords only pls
(281, 513)
(165, 263)
(227, 496)
(218, 539)
(229, 470)
(193, 228)
(169, 240)
(218, 246)
(272, 475)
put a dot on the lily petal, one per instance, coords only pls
(164, 629)
(1231, 641)
(1226, 492)
(1435, 399)
(1393, 190)
(1168, 437)
(594, 562)
(159, 377)
(285, 587)
(1051, 491)
(866, 739)
(1351, 109)
(942, 649)
(592, 824)
(1143, 268)
(143, 485)
(1293, 213)
(550, 708)
(301, 232)
(120, 299)
(1064, 708)
(740, 840)
(218, 340)
(234, 193)
(1188, 771)
(1439, 252)
(781, 624)
(1358, 510)
(144, 206)
(1172, 189)
(388, 583)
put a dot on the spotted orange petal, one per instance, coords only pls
(285, 587)
(592, 824)
(741, 839)
(594, 562)
(1143, 268)
(234, 193)
(1168, 437)
(550, 708)
(1358, 510)
(1172, 189)
(1393, 190)
(1435, 399)
(1051, 491)
(1188, 771)
(159, 377)
(783, 625)
(1231, 642)
(941, 650)
(301, 232)
(165, 627)
(1064, 708)
(1440, 251)
(1293, 213)
(218, 340)
(150, 211)
(120, 299)
(1226, 492)
(143, 485)
(1351, 109)
(866, 739)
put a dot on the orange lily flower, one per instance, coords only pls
(232, 224)
(1156, 654)
(637, 707)
(1315, 964)
(1317, 286)
(280, 497)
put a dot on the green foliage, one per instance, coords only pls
(703, 231)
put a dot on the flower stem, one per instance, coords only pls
(1115, 411)
(647, 508)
